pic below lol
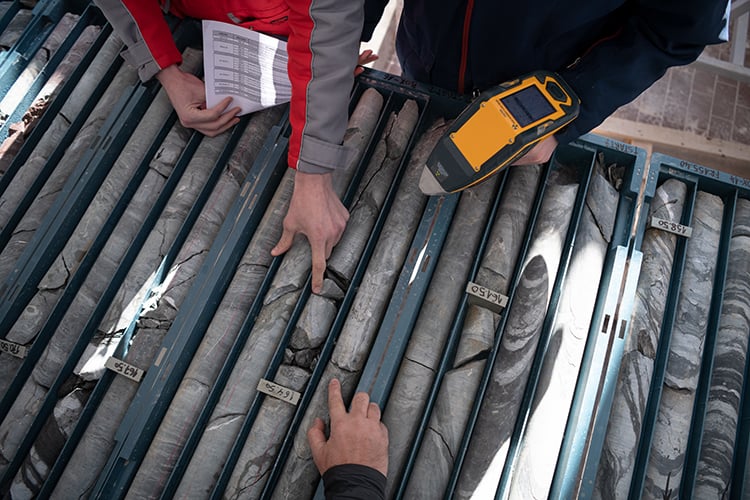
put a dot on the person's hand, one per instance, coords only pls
(541, 153)
(357, 437)
(364, 58)
(187, 93)
(315, 211)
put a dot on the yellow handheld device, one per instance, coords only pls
(498, 127)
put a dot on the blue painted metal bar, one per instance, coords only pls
(45, 121)
(614, 317)
(45, 16)
(7, 17)
(178, 471)
(161, 381)
(62, 218)
(75, 282)
(462, 449)
(222, 378)
(92, 403)
(535, 373)
(89, 17)
(601, 367)
(449, 350)
(610, 316)
(695, 439)
(395, 329)
(660, 363)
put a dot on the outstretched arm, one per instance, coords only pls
(323, 48)
(654, 35)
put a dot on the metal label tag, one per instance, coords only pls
(279, 392)
(125, 369)
(17, 350)
(484, 297)
(671, 227)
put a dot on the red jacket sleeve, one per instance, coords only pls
(323, 47)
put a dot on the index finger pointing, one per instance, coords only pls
(318, 267)
(336, 406)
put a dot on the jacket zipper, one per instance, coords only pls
(465, 47)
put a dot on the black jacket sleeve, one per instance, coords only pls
(353, 482)
(654, 35)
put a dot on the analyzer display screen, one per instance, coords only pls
(528, 105)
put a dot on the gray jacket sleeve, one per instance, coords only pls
(323, 49)
(141, 26)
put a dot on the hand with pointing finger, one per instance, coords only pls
(315, 211)
(354, 458)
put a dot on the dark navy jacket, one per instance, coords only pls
(354, 482)
(609, 51)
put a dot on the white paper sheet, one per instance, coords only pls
(248, 66)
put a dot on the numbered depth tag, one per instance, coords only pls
(484, 297)
(17, 350)
(125, 369)
(671, 227)
(278, 392)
